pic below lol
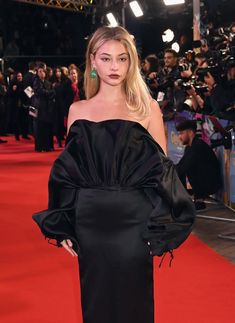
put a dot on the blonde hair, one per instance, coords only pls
(137, 94)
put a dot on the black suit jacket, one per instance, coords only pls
(202, 168)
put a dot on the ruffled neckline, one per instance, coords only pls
(135, 123)
(110, 120)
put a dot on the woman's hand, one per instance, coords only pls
(67, 244)
(192, 91)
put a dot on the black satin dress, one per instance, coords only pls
(113, 192)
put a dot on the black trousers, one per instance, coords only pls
(24, 121)
(202, 185)
(43, 134)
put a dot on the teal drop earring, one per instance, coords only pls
(93, 73)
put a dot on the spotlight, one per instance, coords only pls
(176, 47)
(168, 36)
(172, 2)
(136, 9)
(112, 20)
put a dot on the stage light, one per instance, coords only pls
(176, 47)
(112, 20)
(172, 2)
(168, 36)
(136, 9)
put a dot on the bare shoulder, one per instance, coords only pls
(76, 107)
(77, 111)
(155, 111)
(156, 125)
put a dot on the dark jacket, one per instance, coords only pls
(43, 99)
(222, 98)
(28, 81)
(17, 96)
(202, 168)
(2, 101)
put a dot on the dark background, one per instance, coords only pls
(40, 31)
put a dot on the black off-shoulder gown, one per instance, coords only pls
(113, 192)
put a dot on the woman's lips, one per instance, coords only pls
(114, 76)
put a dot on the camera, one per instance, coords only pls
(184, 84)
(183, 67)
(201, 88)
(229, 62)
(214, 70)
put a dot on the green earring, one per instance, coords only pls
(93, 73)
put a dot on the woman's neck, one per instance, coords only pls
(111, 93)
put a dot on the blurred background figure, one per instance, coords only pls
(16, 99)
(150, 68)
(73, 89)
(58, 82)
(28, 83)
(3, 112)
(44, 101)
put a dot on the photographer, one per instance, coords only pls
(199, 164)
(197, 91)
(150, 69)
(187, 89)
(168, 93)
(223, 94)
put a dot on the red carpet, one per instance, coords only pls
(40, 284)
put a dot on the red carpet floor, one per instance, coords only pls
(39, 283)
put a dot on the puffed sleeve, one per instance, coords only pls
(173, 214)
(58, 221)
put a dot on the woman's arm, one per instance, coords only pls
(156, 126)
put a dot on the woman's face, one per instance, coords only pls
(146, 66)
(50, 72)
(73, 74)
(19, 77)
(111, 62)
(42, 73)
(58, 73)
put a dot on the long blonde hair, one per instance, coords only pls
(137, 94)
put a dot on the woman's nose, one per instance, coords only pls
(114, 65)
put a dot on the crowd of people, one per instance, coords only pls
(203, 80)
(38, 101)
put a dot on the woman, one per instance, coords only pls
(150, 69)
(3, 91)
(43, 101)
(109, 200)
(58, 81)
(16, 98)
(73, 90)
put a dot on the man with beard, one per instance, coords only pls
(199, 164)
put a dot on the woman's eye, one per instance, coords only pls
(123, 59)
(105, 59)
